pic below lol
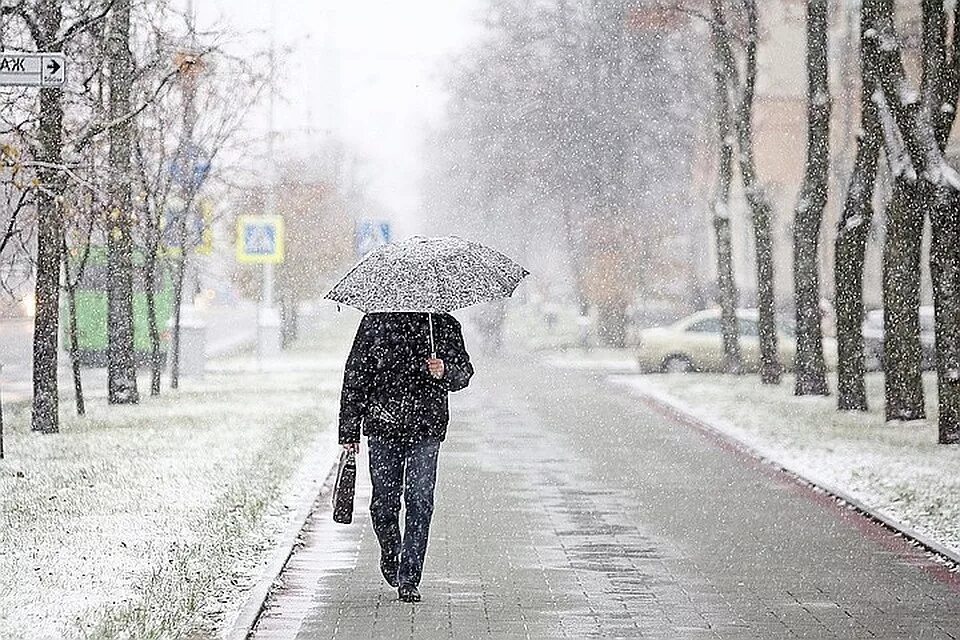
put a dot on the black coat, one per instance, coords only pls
(386, 385)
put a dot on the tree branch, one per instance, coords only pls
(19, 10)
(83, 141)
(83, 24)
(897, 159)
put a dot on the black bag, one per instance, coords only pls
(343, 488)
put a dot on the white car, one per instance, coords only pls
(873, 339)
(696, 344)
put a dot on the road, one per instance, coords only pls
(228, 327)
(569, 509)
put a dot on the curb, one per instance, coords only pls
(665, 404)
(313, 471)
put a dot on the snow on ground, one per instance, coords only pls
(150, 521)
(896, 469)
(598, 359)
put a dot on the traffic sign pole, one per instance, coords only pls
(269, 340)
(260, 240)
(268, 285)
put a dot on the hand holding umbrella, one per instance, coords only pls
(435, 366)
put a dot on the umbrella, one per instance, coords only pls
(428, 275)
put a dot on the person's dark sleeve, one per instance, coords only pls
(456, 362)
(357, 376)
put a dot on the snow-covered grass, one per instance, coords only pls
(150, 521)
(895, 469)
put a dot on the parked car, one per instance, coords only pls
(695, 344)
(873, 340)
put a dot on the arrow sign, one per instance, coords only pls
(46, 70)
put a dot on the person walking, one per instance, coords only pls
(395, 391)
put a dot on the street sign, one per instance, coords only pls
(48, 70)
(371, 234)
(190, 171)
(205, 245)
(197, 227)
(260, 239)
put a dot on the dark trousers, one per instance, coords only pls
(408, 469)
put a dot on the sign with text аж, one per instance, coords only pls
(260, 239)
(46, 70)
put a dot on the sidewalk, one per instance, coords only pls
(575, 512)
(896, 471)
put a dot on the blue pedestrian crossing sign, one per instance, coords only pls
(370, 235)
(260, 239)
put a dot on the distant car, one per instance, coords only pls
(695, 344)
(873, 340)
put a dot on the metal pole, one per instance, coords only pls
(266, 320)
(270, 204)
(189, 123)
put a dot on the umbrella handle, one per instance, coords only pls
(433, 347)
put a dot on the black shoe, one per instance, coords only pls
(408, 594)
(389, 570)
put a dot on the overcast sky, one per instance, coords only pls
(367, 70)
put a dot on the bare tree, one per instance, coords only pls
(46, 396)
(42, 23)
(121, 364)
(179, 140)
(851, 239)
(726, 285)
(73, 271)
(743, 93)
(941, 86)
(918, 125)
(551, 122)
(810, 369)
(904, 222)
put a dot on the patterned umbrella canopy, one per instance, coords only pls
(432, 275)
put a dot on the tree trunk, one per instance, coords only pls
(761, 210)
(177, 307)
(810, 369)
(850, 250)
(727, 291)
(940, 86)
(921, 184)
(46, 394)
(75, 351)
(121, 361)
(851, 245)
(574, 251)
(770, 369)
(71, 288)
(945, 271)
(726, 285)
(612, 324)
(150, 284)
(902, 356)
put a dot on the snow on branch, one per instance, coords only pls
(897, 157)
